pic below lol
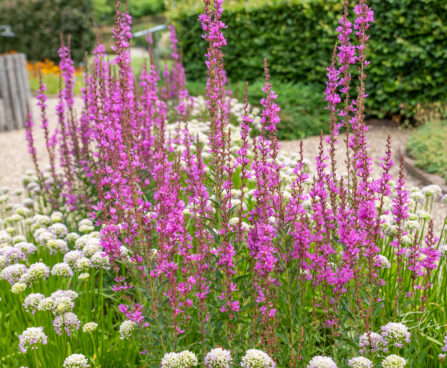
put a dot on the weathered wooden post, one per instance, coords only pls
(14, 91)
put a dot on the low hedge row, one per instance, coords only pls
(408, 48)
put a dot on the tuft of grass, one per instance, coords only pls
(427, 145)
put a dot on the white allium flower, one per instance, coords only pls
(38, 271)
(62, 269)
(412, 226)
(5, 238)
(25, 247)
(394, 361)
(82, 264)
(170, 360)
(218, 358)
(443, 250)
(423, 215)
(76, 361)
(31, 338)
(65, 294)
(31, 302)
(18, 239)
(57, 246)
(89, 327)
(72, 237)
(85, 222)
(18, 288)
(321, 362)
(58, 229)
(100, 260)
(383, 262)
(126, 329)
(67, 322)
(187, 359)
(13, 273)
(57, 217)
(432, 190)
(90, 249)
(371, 342)
(72, 256)
(396, 334)
(86, 229)
(63, 305)
(84, 276)
(360, 362)
(46, 304)
(254, 358)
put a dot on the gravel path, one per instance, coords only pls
(15, 159)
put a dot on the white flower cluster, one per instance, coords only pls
(127, 328)
(254, 358)
(360, 362)
(218, 358)
(185, 359)
(76, 361)
(89, 327)
(394, 361)
(321, 362)
(31, 338)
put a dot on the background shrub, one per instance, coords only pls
(39, 23)
(407, 49)
(104, 10)
(427, 145)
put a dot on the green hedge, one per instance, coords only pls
(39, 23)
(408, 48)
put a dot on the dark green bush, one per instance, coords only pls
(302, 105)
(407, 49)
(39, 23)
(427, 145)
(104, 10)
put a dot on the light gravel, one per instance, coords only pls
(15, 159)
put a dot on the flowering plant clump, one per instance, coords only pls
(182, 216)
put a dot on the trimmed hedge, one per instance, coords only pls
(408, 48)
(39, 23)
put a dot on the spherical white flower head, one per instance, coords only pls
(432, 190)
(85, 222)
(218, 358)
(360, 362)
(321, 362)
(72, 256)
(85, 229)
(443, 250)
(67, 322)
(127, 328)
(28, 203)
(56, 217)
(396, 334)
(12, 254)
(91, 248)
(89, 327)
(72, 237)
(65, 293)
(38, 271)
(62, 305)
(394, 361)
(383, 262)
(46, 305)
(254, 358)
(84, 276)
(62, 269)
(187, 359)
(82, 264)
(44, 237)
(58, 229)
(4, 261)
(57, 246)
(18, 288)
(76, 361)
(371, 342)
(23, 211)
(31, 338)
(25, 247)
(170, 360)
(82, 241)
(18, 239)
(5, 237)
(100, 260)
(31, 302)
(13, 273)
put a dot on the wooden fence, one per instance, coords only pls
(14, 91)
